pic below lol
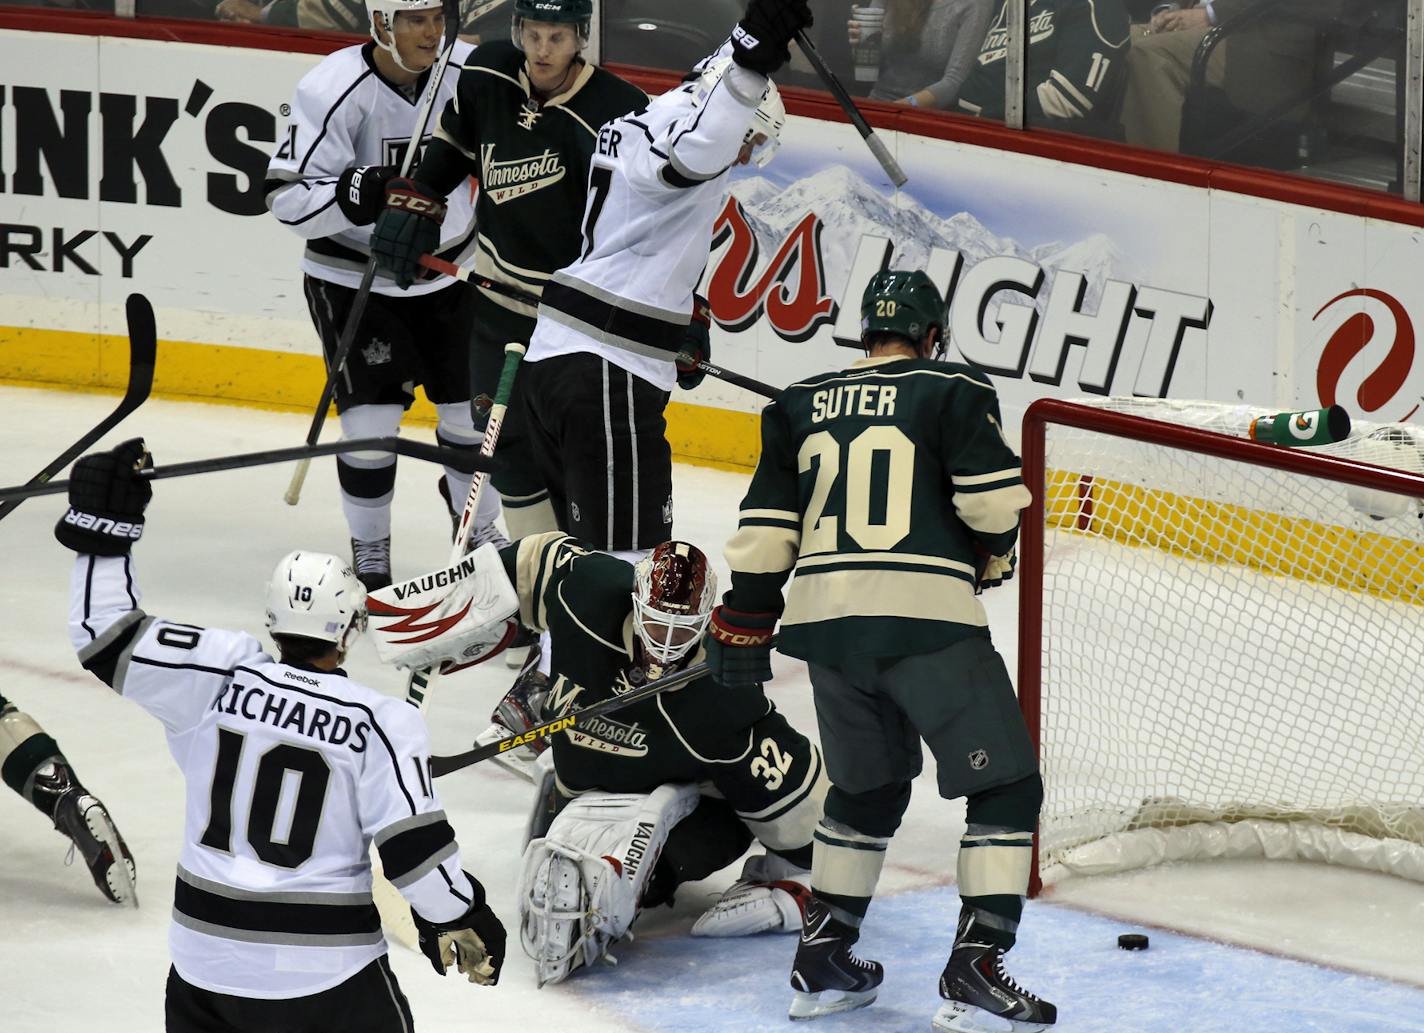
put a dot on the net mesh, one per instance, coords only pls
(1224, 641)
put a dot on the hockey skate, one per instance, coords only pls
(372, 562)
(521, 709)
(826, 974)
(93, 834)
(769, 896)
(979, 995)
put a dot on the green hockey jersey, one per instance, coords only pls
(584, 599)
(1077, 53)
(880, 487)
(531, 160)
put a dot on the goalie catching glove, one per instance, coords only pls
(474, 942)
(408, 227)
(464, 614)
(739, 647)
(107, 498)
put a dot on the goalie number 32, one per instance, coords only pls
(773, 764)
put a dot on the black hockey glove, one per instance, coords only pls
(739, 647)
(361, 192)
(408, 227)
(759, 40)
(992, 570)
(106, 501)
(696, 344)
(474, 942)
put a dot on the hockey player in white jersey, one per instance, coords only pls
(601, 362)
(292, 771)
(352, 119)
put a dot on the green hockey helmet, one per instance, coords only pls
(904, 302)
(578, 13)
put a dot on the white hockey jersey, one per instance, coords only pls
(291, 774)
(655, 187)
(344, 113)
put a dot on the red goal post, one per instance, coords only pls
(1220, 641)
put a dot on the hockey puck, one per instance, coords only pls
(1132, 942)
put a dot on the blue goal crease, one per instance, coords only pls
(669, 982)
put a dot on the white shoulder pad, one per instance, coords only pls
(580, 885)
(466, 613)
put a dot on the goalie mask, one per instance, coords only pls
(383, 13)
(314, 595)
(770, 116)
(674, 591)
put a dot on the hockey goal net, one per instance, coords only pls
(1221, 646)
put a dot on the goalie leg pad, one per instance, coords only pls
(769, 896)
(580, 885)
(464, 614)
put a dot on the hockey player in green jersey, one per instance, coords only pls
(672, 788)
(523, 122)
(890, 492)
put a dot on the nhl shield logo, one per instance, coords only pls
(979, 760)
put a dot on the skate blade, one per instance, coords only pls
(120, 875)
(958, 1017)
(828, 1002)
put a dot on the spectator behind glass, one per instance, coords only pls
(1075, 63)
(928, 46)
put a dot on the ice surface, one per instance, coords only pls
(69, 961)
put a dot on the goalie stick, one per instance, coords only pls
(444, 765)
(451, 11)
(143, 345)
(413, 449)
(418, 684)
(876, 145)
(439, 265)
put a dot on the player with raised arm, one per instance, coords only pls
(602, 360)
(292, 771)
(890, 491)
(620, 819)
(32, 765)
(352, 118)
(523, 122)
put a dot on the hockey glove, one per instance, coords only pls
(361, 192)
(106, 501)
(408, 227)
(696, 345)
(759, 40)
(739, 647)
(993, 570)
(474, 943)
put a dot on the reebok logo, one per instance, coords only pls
(294, 676)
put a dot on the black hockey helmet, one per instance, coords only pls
(578, 13)
(904, 302)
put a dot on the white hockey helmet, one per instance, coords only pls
(315, 595)
(674, 590)
(770, 116)
(383, 12)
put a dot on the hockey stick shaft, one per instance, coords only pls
(368, 275)
(143, 345)
(444, 765)
(418, 685)
(877, 146)
(439, 265)
(413, 449)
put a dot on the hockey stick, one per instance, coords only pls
(451, 10)
(417, 686)
(876, 145)
(440, 265)
(143, 344)
(444, 765)
(413, 449)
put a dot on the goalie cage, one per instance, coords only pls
(1219, 640)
